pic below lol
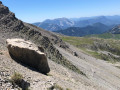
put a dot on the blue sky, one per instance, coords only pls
(39, 10)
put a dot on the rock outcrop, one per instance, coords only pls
(8, 20)
(115, 30)
(28, 53)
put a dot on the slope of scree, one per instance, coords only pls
(15, 28)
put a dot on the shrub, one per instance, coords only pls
(17, 79)
(68, 89)
(1, 53)
(56, 87)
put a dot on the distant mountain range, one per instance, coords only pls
(64, 23)
(97, 28)
(107, 20)
(48, 26)
(82, 26)
(56, 24)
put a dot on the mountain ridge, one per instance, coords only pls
(78, 22)
(96, 28)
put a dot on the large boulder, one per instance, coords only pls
(28, 53)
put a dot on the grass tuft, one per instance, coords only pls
(1, 53)
(17, 79)
(55, 87)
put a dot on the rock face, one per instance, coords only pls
(115, 30)
(8, 19)
(28, 53)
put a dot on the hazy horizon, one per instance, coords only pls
(37, 11)
(74, 17)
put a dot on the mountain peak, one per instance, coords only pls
(0, 2)
(56, 19)
(8, 19)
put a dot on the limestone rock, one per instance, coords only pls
(28, 53)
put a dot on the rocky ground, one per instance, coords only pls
(59, 75)
(100, 75)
